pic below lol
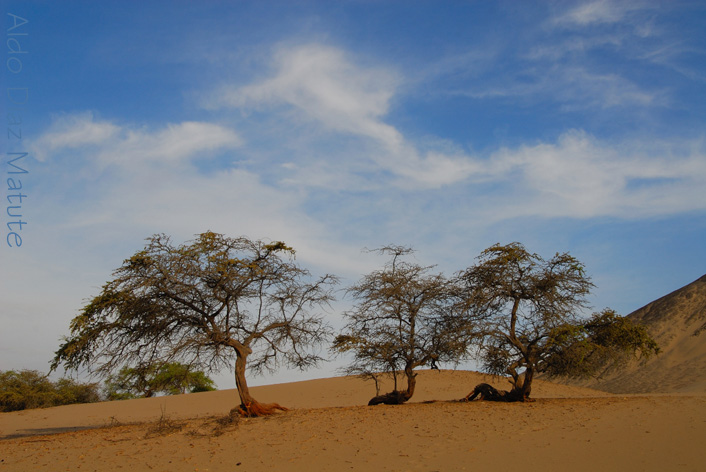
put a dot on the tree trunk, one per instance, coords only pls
(527, 383)
(397, 397)
(411, 382)
(521, 388)
(489, 393)
(248, 405)
(522, 385)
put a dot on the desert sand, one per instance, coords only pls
(330, 428)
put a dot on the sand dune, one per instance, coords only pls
(677, 322)
(335, 392)
(331, 429)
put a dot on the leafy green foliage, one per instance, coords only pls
(25, 389)
(170, 378)
(174, 379)
(604, 342)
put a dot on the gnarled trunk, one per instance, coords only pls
(248, 405)
(521, 388)
(524, 387)
(397, 397)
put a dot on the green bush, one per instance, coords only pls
(25, 389)
(69, 391)
(171, 378)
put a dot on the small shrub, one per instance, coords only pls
(165, 426)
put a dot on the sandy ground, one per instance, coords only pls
(330, 429)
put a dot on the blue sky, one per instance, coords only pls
(335, 126)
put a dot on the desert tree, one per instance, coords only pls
(528, 318)
(174, 378)
(211, 303)
(401, 320)
(171, 378)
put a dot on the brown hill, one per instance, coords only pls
(678, 323)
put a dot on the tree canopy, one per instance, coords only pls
(217, 302)
(527, 318)
(208, 303)
(400, 321)
(171, 378)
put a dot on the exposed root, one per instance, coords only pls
(486, 392)
(254, 409)
(393, 398)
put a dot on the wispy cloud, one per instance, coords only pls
(123, 146)
(569, 87)
(598, 12)
(320, 82)
(72, 131)
(582, 177)
(577, 176)
(172, 144)
(325, 87)
(149, 175)
(573, 60)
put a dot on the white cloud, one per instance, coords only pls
(577, 61)
(578, 176)
(598, 12)
(323, 84)
(124, 146)
(433, 169)
(573, 46)
(579, 86)
(172, 144)
(155, 192)
(339, 96)
(73, 131)
(581, 177)
(572, 87)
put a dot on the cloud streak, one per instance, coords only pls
(575, 61)
(598, 12)
(124, 146)
(325, 87)
(581, 177)
(577, 176)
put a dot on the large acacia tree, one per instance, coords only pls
(211, 303)
(402, 320)
(526, 317)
